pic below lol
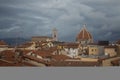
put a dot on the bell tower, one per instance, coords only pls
(55, 34)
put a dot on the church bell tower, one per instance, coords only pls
(55, 34)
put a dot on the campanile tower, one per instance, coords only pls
(55, 34)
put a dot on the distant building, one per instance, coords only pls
(111, 51)
(71, 49)
(84, 37)
(43, 45)
(103, 43)
(41, 38)
(3, 45)
(54, 37)
(94, 49)
(114, 61)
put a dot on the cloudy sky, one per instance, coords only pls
(26, 18)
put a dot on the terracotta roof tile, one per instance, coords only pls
(43, 53)
(3, 43)
(8, 55)
(116, 62)
(9, 59)
(70, 45)
(111, 46)
(6, 64)
(25, 45)
(60, 57)
(27, 51)
(84, 35)
(37, 59)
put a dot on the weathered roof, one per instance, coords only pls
(9, 59)
(8, 54)
(60, 57)
(2, 42)
(37, 59)
(8, 64)
(116, 62)
(25, 45)
(92, 44)
(70, 45)
(110, 46)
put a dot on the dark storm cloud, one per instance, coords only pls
(27, 18)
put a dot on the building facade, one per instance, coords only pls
(95, 50)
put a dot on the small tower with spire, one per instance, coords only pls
(55, 34)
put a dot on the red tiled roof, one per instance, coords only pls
(7, 52)
(27, 51)
(43, 53)
(7, 64)
(60, 57)
(84, 34)
(3, 43)
(37, 59)
(25, 45)
(92, 44)
(41, 44)
(70, 45)
(8, 55)
(116, 62)
(9, 60)
(52, 49)
(110, 46)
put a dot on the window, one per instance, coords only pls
(115, 50)
(92, 50)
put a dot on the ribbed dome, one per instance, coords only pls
(84, 35)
